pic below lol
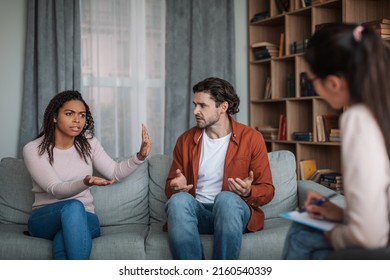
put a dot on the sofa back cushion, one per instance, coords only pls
(283, 168)
(125, 202)
(159, 166)
(16, 197)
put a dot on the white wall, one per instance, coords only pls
(13, 14)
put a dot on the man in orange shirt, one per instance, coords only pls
(219, 177)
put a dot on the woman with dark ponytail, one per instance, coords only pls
(349, 67)
(60, 161)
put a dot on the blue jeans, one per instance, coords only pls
(188, 218)
(68, 225)
(305, 243)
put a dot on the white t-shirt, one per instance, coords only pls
(211, 167)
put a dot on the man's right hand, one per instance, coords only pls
(179, 183)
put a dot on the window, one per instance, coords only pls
(123, 71)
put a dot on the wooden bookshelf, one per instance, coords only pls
(298, 23)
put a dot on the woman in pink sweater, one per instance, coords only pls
(61, 161)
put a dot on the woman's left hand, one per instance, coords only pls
(146, 145)
(97, 181)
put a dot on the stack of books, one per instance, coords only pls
(268, 132)
(335, 135)
(333, 181)
(382, 26)
(264, 50)
(302, 136)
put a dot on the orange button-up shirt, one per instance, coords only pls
(246, 151)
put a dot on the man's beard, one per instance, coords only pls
(207, 124)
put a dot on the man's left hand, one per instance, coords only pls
(241, 187)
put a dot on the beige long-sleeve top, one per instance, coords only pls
(366, 174)
(64, 179)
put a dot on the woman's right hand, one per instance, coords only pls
(327, 210)
(97, 181)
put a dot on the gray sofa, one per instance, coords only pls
(132, 213)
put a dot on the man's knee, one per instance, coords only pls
(180, 200)
(227, 199)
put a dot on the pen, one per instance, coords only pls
(320, 201)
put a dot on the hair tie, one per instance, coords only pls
(357, 33)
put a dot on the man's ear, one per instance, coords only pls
(225, 106)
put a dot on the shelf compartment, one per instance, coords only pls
(299, 116)
(258, 76)
(266, 113)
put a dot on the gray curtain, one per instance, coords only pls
(52, 59)
(200, 44)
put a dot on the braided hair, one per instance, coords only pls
(48, 127)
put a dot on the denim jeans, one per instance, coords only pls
(305, 243)
(68, 225)
(226, 218)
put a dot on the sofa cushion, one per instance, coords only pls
(283, 168)
(125, 202)
(16, 197)
(158, 170)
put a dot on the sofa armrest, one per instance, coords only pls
(306, 185)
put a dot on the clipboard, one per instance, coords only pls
(304, 218)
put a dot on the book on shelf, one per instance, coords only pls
(307, 168)
(299, 46)
(320, 129)
(282, 128)
(259, 16)
(281, 45)
(307, 88)
(305, 3)
(267, 90)
(283, 5)
(291, 84)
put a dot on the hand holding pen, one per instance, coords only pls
(319, 201)
(317, 207)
